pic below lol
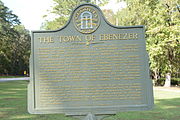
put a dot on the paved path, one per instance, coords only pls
(169, 89)
(12, 79)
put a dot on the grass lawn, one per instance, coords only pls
(13, 106)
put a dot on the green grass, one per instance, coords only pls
(13, 106)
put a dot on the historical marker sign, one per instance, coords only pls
(89, 66)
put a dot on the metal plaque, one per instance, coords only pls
(89, 66)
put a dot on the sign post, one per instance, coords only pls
(89, 67)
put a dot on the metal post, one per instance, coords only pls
(90, 116)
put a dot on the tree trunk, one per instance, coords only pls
(168, 80)
(156, 75)
(155, 82)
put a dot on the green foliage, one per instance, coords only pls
(62, 10)
(162, 21)
(7, 17)
(14, 43)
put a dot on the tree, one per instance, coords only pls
(62, 10)
(14, 42)
(110, 16)
(21, 48)
(7, 21)
(162, 21)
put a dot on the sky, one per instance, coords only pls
(30, 12)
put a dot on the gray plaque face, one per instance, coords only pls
(89, 66)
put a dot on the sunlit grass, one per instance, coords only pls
(13, 106)
(22, 117)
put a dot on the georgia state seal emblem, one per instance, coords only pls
(86, 19)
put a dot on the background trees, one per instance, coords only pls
(162, 21)
(62, 10)
(14, 43)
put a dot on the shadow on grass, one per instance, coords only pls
(13, 106)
